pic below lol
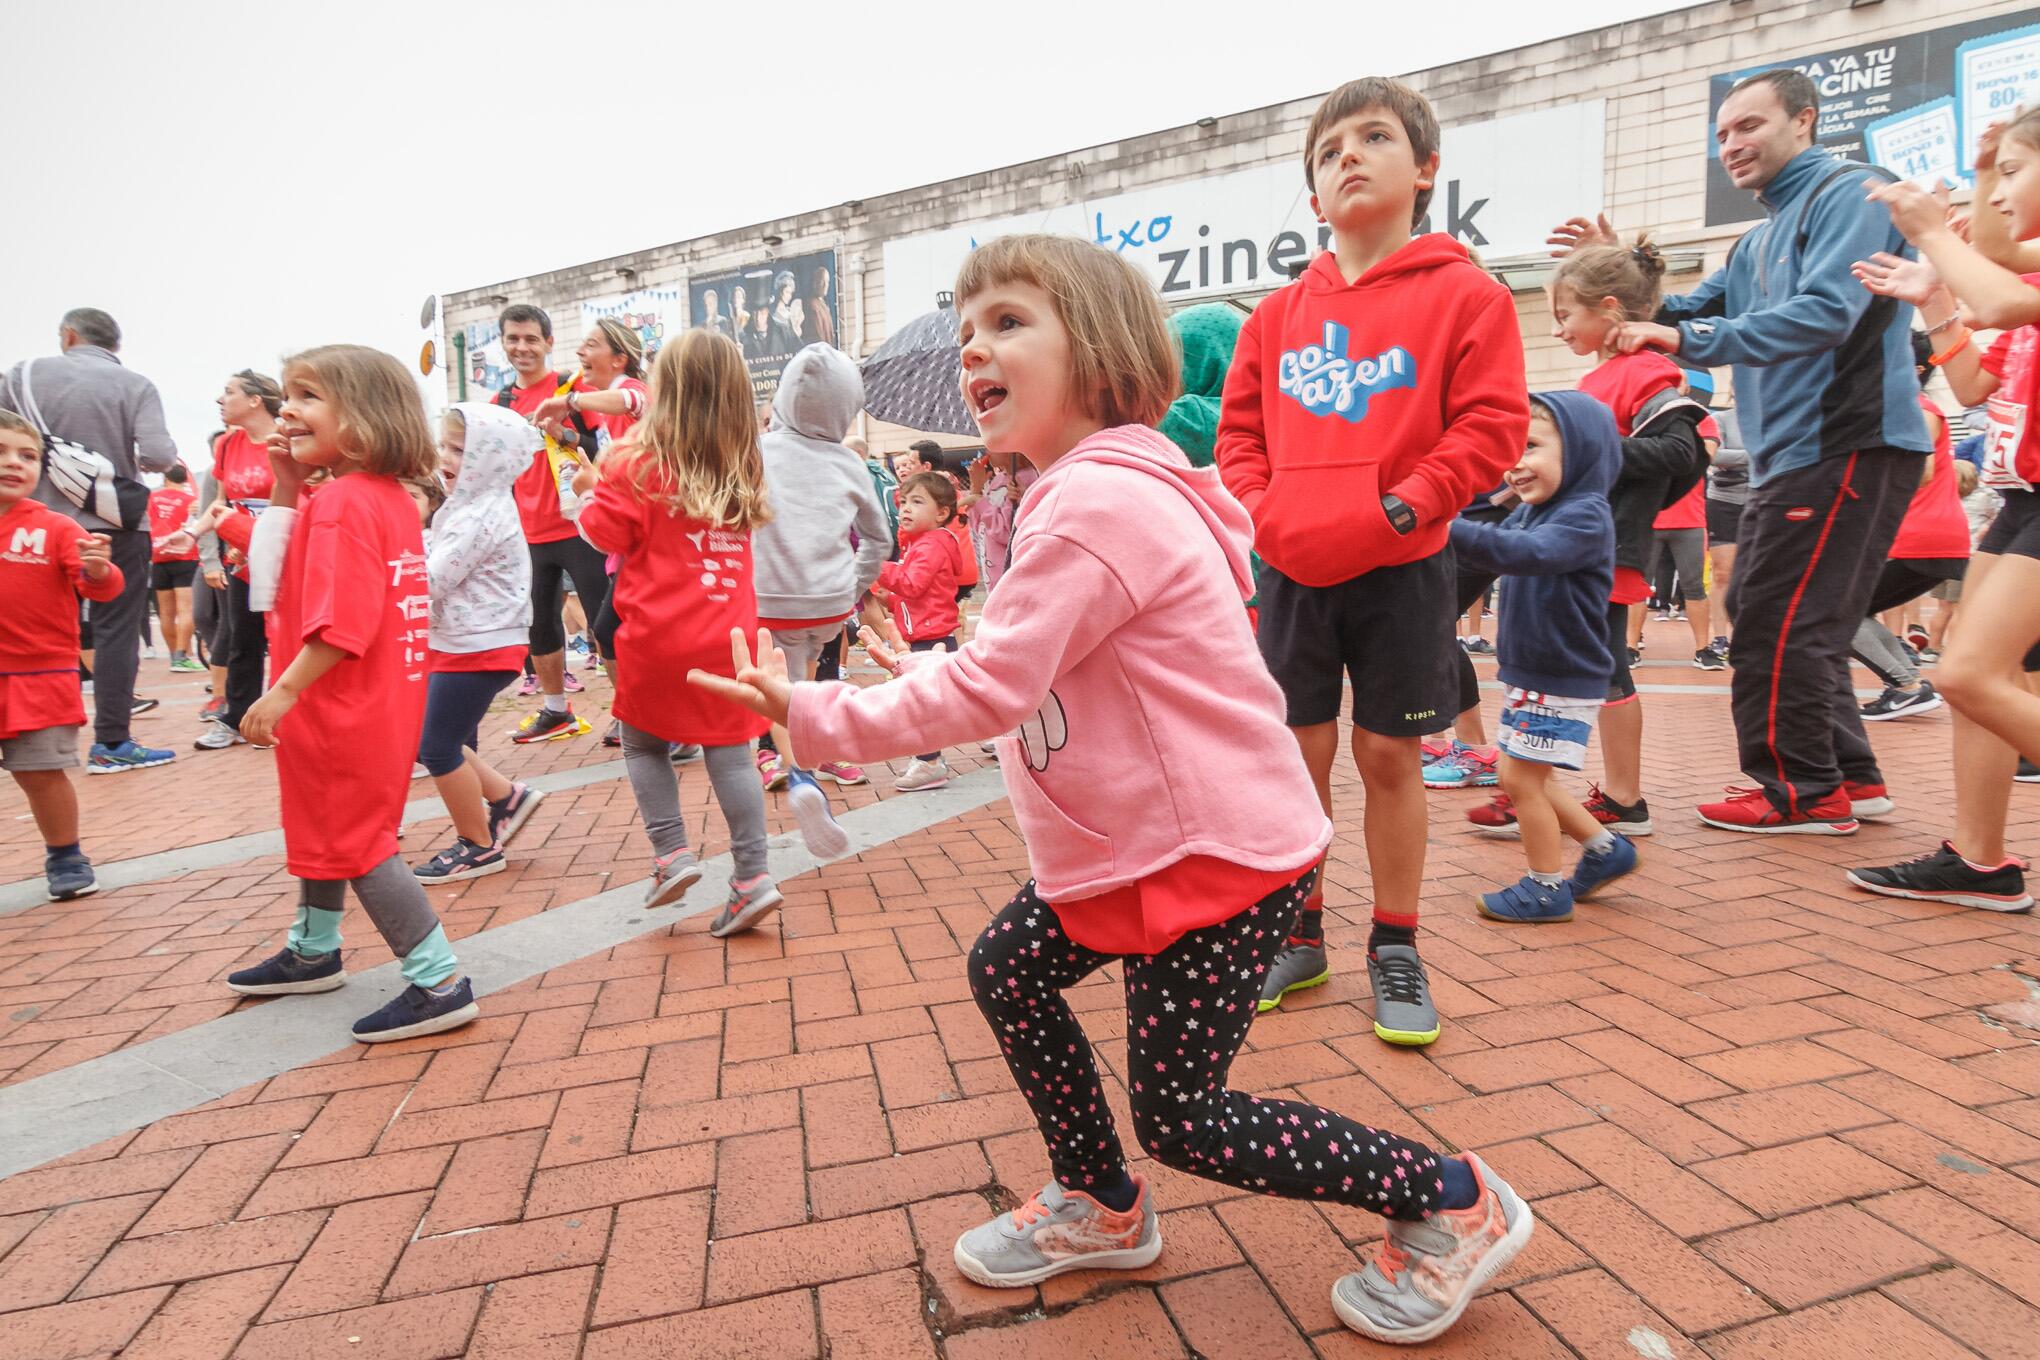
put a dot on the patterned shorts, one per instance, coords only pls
(1550, 729)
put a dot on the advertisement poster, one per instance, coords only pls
(1913, 104)
(1498, 191)
(654, 313)
(488, 368)
(772, 309)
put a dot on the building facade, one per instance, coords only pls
(1617, 120)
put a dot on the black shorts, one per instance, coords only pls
(551, 563)
(2016, 530)
(1390, 631)
(1723, 518)
(172, 575)
(1621, 684)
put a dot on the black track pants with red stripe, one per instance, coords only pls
(1812, 543)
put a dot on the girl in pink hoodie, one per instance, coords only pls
(1084, 657)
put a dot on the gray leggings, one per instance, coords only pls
(731, 771)
(391, 895)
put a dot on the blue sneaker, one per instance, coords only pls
(1469, 767)
(69, 876)
(825, 839)
(290, 972)
(129, 755)
(417, 1010)
(1528, 903)
(1595, 870)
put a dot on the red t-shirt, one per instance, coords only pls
(169, 510)
(241, 467)
(1623, 384)
(354, 577)
(41, 579)
(2011, 456)
(538, 497)
(1149, 916)
(1934, 524)
(1687, 512)
(683, 586)
(616, 427)
(495, 659)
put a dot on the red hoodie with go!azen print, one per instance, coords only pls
(1406, 382)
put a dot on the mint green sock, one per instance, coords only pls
(314, 931)
(430, 961)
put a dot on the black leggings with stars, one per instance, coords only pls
(1187, 1012)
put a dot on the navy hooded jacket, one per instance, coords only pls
(1559, 558)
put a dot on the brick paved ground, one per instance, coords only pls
(1758, 1114)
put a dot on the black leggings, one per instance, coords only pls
(551, 564)
(1187, 1011)
(455, 704)
(602, 628)
(247, 653)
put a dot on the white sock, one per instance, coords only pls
(555, 703)
(1547, 880)
(1600, 843)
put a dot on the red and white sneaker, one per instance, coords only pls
(1868, 800)
(1751, 810)
(842, 772)
(1496, 817)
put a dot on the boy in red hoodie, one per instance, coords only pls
(923, 589)
(44, 558)
(1367, 402)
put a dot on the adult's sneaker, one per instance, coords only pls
(515, 809)
(129, 755)
(842, 772)
(672, 876)
(1718, 645)
(1403, 1010)
(461, 860)
(68, 876)
(1436, 749)
(1901, 703)
(1297, 967)
(547, 725)
(1056, 1231)
(1868, 800)
(819, 830)
(1427, 1270)
(1707, 659)
(288, 972)
(1631, 819)
(1944, 876)
(527, 687)
(749, 901)
(1636, 656)
(2027, 773)
(1477, 646)
(186, 665)
(419, 1010)
(571, 684)
(1752, 810)
(922, 775)
(1471, 767)
(218, 737)
(1528, 902)
(684, 753)
(142, 706)
(1917, 637)
(212, 711)
(613, 734)
(1597, 869)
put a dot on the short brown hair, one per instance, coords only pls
(1632, 275)
(1419, 123)
(1795, 89)
(382, 417)
(939, 488)
(1121, 357)
(19, 424)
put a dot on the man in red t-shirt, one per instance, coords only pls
(558, 552)
(173, 565)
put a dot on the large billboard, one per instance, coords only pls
(772, 309)
(1500, 187)
(1914, 105)
(654, 313)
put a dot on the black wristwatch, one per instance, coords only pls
(1400, 517)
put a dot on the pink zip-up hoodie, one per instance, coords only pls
(1148, 727)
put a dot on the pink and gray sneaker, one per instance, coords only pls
(1056, 1231)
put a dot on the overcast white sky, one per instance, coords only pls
(238, 180)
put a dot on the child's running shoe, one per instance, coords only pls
(68, 876)
(419, 1010)
(1298, 967)
(1403, 1010)
(218, 737)
(684, 753)
(289, 972)
(546, 725)
(1056, 1231)
(749, 901)
(922, 775)
(613, 735)
(1944, 876)
(461, 860)
(2027, 773)
(842, 772)
(825, 839)
(1898, 703)
(1470, 767)
(771, 772)
(527, 687)
(513, 812)
(129, 755)
(1427, 1271)
(1631, 819)
(1917, 637)
(671, 877)
(1527, 902)
(1496, 817)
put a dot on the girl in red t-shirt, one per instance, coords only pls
(677, 500)
(348, 628)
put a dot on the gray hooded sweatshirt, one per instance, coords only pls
(802, 564)
(476, 558)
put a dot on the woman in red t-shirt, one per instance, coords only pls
(248, 406)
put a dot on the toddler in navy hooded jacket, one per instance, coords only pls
(1556, 553)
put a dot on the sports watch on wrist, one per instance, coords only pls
(1400, 517)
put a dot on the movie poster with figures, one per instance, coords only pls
(654, 313)
(1914, 104)
(772, 309)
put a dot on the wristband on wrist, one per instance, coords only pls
(1945, 355)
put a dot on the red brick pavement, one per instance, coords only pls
(1758, 1114)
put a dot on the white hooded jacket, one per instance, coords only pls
(803, 565)
(476, 559)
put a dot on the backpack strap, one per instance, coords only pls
(504, 397)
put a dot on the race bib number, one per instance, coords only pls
(2002, 441)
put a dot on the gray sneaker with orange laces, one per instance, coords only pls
(1060, 1230)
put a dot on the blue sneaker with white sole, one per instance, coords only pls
(1596, 870)
(419, 1010)
(289, 972)
(824, 837)
(1528, 902)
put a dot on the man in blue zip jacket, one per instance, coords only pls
(1829, 409)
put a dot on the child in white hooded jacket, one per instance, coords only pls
(480, 575)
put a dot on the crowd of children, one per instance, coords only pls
(1321, 491)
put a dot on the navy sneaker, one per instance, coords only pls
(1528, 903)
(513, 812)
(461, 860)
(69, 876)
(129, 755)
(415, 1011)
(290, 972)
(1596, 869)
